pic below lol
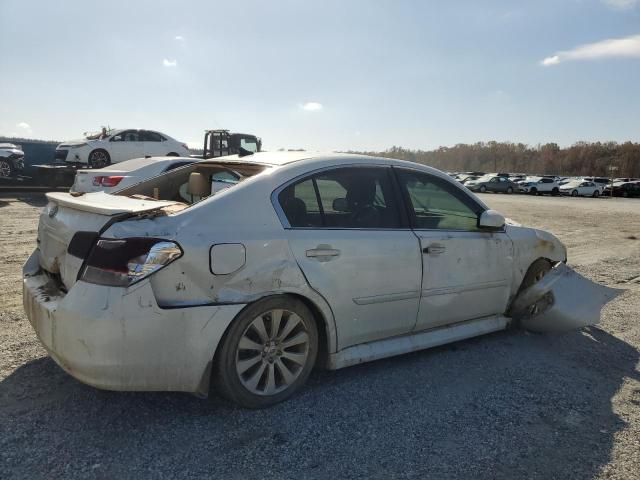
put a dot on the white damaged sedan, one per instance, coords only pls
(246, 273)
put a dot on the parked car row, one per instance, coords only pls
(548, 184)
(11, 160)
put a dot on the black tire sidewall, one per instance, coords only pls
(11, 169)
(92, 154)
(226, 378)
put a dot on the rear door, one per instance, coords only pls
(152, 144)
(466, 270)
(125, 146)
(346, 230)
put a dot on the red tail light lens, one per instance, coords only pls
(123, 262)
(110, 181)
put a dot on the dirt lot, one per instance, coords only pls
(507, 405)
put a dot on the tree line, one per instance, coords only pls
(580, 159)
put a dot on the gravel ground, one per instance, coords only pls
(506, 405)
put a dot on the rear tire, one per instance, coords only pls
(483, 189)
(509, 190)
(533, 191)
(6, 169)
(99, 159)
(267, 353)
(555, 191)
(596, 194)
(574, 193)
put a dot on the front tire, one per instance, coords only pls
(6, 169)
(509, 190)
(483, 189)
(533, 191)
(596, 194)
(268, 352)
(574, 193)
(99, 159)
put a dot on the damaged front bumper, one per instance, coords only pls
(562, 300)
(120, 339)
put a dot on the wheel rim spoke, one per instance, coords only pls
(270, 386)
(247, 344)
(297, 339)
(258, 326)
(276, 318)
(244, 365)
(292, 322)
(253, 381)
(298, 358)
(287, 375)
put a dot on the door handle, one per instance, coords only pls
(322, 253)
(434, 249)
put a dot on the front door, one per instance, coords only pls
(345, 229)
(466, 270)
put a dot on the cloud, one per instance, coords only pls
(311, 106)
(621, 4)
(24, 126)
(627, 47)
(169, 63)
(179, 38)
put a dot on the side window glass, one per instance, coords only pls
(434, 204)
(357, 198)
(249, 145)
(129, 136)
(151, 137)
(349, 198)
(300, 205)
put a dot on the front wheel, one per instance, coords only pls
(555, 192)
(99, 159)
(268, 352)
(574, 193)
(509, 190)
(6, 169)
(596, 194)
(533, 191)
(483, 189)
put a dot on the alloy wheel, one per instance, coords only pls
(5, 169)
(272, 352)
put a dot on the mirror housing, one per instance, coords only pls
(340, 205)
(491, 219)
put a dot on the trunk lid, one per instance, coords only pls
(65, 215)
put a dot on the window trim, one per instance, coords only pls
(400, 207)
(449, 187)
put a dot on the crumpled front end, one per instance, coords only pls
(562, 300)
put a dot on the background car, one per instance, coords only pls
(118, 146)
(11, 160)
(492, 183)
(540, 186)
(581, 188)
(125, 173)
(625, 189)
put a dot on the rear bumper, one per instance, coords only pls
(120, 339)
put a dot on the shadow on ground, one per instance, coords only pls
(508, 405)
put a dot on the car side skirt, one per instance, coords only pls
(390, 347)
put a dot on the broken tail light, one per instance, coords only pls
(123, 262)
(107, 181)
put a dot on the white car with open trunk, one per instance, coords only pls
(248, 272)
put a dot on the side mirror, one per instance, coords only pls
(117, 138)
(491, 219)
(340, 205)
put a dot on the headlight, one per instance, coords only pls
(123, 262)
(77, 145)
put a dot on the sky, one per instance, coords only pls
(324, 75)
